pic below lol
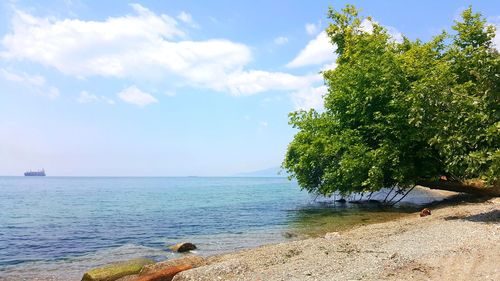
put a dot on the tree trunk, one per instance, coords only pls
(461, 187)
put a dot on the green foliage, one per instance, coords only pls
(398, 113)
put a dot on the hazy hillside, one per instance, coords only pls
(270, 172)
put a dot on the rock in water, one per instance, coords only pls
(183, 247)
(116, 270)
(425, 212)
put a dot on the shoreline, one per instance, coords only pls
(459, 241)
(270, 260)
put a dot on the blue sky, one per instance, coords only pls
(172, 88)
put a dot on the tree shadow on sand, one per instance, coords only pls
(492, 216)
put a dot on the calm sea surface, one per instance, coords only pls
(55, 228)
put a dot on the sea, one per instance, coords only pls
(56, 228)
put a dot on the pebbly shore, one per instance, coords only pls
(457, 242)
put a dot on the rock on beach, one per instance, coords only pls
(115, 271)
(165, 270)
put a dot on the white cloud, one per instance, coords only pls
(135, 96)
(309, 98)
(264, 124)
(187, 19)
(367, 26)
(329, 66)
(319, 50)
(143, 44)
(281, 40)
(395, 34)
(170, 93)
(107, 100)
(35, 83)
(496, 39)
(257, 81)
(85, 97)
(52, 92)
(495, 21)
(21, 77)
(312, 28)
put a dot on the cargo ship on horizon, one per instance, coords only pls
(39, 173)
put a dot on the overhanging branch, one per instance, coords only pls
(461, 187)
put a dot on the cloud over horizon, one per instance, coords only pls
(122, 47)
(144, 45)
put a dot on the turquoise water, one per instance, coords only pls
(57, 227)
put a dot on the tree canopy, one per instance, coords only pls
(398, 113)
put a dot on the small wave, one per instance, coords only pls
(73, 268)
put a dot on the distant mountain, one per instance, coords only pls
(270, 172)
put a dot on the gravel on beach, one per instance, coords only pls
(458, 242)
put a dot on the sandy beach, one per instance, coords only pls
(457, 242)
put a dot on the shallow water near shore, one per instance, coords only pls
(55, 228)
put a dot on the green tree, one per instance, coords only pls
(397, 114)
(470, 139)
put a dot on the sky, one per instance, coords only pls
(173, 88)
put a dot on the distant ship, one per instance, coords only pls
(39, 173)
